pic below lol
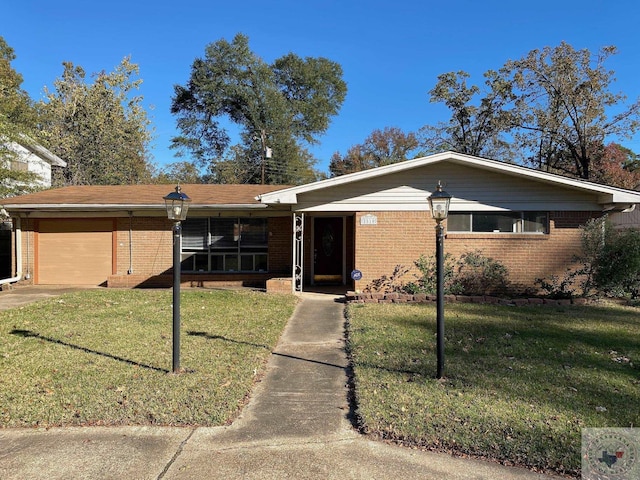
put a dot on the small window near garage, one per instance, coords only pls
(498, 222)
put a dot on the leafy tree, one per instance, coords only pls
(179, 172)
(18, 118)
(619, 167)
(476, 127)
(100, 129)
(561, 115)
(382, 147)
(551, 109)
(234, 167)
(279, 107)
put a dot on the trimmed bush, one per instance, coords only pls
(472, 274)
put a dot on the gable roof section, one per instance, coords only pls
(607, 196)
(98, 197)
(41, 152)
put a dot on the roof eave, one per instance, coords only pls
(119, 206)
(42, 152)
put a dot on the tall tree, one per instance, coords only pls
(382, 147)
(563, 110)
(178, 172)
(101, 129)
(18, 120)
(279, 107)
(618, 166)
(476, 127)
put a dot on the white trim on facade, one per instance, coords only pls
(600, 197)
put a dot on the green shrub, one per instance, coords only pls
(427, 281)
(472, 274)
(617, 270)
(389, 283)
(478, 275)
(553, 287)
(609, 265)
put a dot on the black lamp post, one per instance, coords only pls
(177, 204)
(439, 205)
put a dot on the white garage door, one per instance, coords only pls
(74, 252)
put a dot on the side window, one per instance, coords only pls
(498, 222)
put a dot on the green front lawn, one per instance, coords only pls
(103, 357)
(520, 382)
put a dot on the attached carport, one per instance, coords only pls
(74, 251)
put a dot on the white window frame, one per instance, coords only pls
(518, 224)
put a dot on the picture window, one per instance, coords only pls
(224, 244)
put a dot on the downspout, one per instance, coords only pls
(130, 271)
(629, 209)
(18, 276)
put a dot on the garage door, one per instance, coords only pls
(74, 252)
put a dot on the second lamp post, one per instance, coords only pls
(439, 205)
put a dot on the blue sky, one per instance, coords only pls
(391, 51)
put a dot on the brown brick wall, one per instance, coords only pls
(151, 242)
(280, 245)
(400, 238)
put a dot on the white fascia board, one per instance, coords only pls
(111, 207)
(42, 152)
(234, 206)
(620, 197)
(284, 197)
(459, 207)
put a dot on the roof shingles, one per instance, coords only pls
(200, 194)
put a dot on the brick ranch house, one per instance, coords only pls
(312, 234)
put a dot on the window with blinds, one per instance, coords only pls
(225, 244)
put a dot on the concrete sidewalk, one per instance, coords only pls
(295, 426)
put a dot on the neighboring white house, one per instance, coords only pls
(31, 157)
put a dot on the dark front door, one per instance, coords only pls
(327, 250)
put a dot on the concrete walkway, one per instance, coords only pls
(295, 426)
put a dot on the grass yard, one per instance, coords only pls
(521, 382)
(103, 357)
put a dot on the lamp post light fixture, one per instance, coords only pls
(177, 204)
(439, 206)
